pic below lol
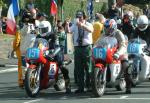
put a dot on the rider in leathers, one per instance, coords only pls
(111, 30)
(45, 32)
(142, 30)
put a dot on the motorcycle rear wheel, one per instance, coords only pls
(122, 85)
(60, 84)
(32, 82)
(98, 83)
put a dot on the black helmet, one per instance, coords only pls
(41, 14)
(27, 16)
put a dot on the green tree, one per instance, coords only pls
(22, 3)
(2, 5)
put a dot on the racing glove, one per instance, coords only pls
(116, 56)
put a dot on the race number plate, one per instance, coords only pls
(99, 53)
(52, 70)
(133, 48)
(33, 53)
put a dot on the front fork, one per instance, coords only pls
(38, 69)
(105, 73)
(135, 66)
(102, 69)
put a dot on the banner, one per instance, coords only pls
(12, 12)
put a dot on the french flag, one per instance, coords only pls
(53, 7)
(12, 12)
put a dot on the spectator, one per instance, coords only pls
(41, 16)
(82, 39)
(4, 24)
(128, 24)
(30, 7)
(1, 32)
(146, 11)
(113, 12)
(16, 48)
(98, 27)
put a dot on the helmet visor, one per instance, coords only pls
(43, 30)
(107, 30)
(142, 26)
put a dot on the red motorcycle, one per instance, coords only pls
(106, 68)
(42, 72)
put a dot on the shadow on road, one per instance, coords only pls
(15, 93)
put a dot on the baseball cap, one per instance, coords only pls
(79, 14)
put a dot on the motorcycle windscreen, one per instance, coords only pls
(138, 41)
(106, 42)
(41, 43)
(136, 46)
(102, 45)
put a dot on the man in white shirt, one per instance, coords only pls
(82, 40)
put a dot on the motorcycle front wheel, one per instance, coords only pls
(32, 82)
(134, 73)
(98, 83)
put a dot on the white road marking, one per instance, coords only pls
(123, 97)
(32, 101)
(64, 98)
(8, 70)
(10, 65)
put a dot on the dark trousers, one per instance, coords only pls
(128, 79)
(60, 59)
(83, 64)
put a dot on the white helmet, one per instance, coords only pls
(142, 22)
(44, 28)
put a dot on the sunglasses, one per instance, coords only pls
(78, 16)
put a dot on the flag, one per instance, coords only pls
(53, 7)
(90, 8)
(12, 12)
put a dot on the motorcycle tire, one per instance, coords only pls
(98, 83)
(60, 84)
(121, 85)
(32, 82)
(134, 76)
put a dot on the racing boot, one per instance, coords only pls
(68, 86)
(65, 73)
(128, 80)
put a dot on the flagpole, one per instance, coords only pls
(62, 13)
